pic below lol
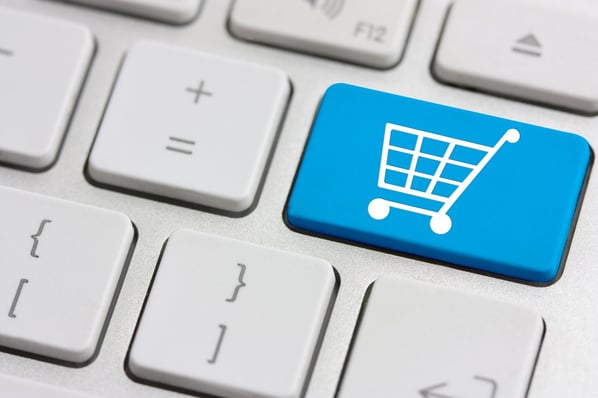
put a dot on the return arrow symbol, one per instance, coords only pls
(432, 391)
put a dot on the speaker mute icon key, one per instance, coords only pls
(180, 145)
(371, 33)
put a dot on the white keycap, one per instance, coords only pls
(372, 32)
(13, 387)
(61, 264)
(190, 126)
(37, 96)
(523, 51)
(232, 319)
(418, 340)
(173, 11)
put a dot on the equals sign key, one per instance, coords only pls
(180, 145)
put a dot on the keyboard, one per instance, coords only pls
(300, 198)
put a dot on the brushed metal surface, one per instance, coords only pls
(568, 362)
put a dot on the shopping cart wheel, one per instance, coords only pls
(378, 209)
(440, 223)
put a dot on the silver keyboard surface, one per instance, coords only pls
(567, 365)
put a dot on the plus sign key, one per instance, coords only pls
(190, 127)
(199, 91)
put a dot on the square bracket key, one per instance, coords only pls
(232, 319)
(60, 271)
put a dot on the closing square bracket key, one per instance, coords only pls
(232, 319)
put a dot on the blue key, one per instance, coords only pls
(481, 192)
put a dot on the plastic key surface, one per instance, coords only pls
(59, 272)
(36, 96)
(486, 193)
(419, 340)
(232, 319)
(190, 126)
(513, 49)
(172, 11)
(372, 33)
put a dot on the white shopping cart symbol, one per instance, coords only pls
(445, 178)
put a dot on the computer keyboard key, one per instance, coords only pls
(512, 48)
(172, 11)
(37, 97)
(372, 33)
(13, 387)
(486, 193)
(61, 265)
(232, 319)
(190, 126)
(419, 340)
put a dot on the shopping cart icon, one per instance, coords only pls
(431, 167)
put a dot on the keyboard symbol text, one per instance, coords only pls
(36, 236)
(433, 391)
(198, 92)
(528, 45)
(15, 300)
(180, 145)
(218, 345)
(241, 283)
(330, 8)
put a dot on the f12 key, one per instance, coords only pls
(372, 33)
